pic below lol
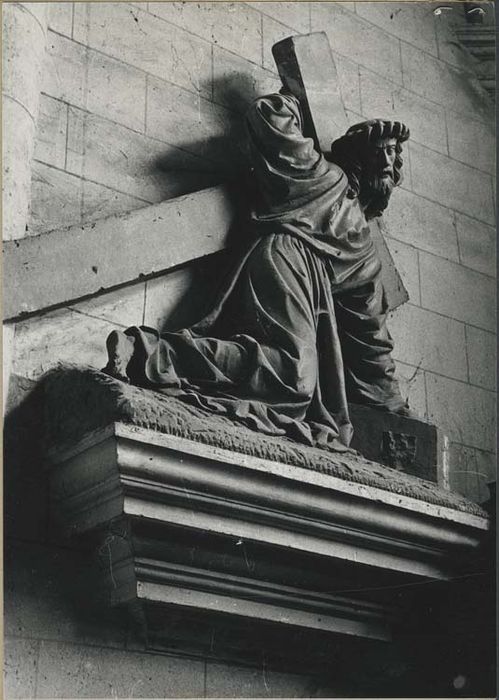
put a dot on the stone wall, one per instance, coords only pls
(61, 641)
(141, 102)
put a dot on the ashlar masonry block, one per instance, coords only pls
(231, 681)
(65, 75)
(109, 673)
(42, 343)
(471, 141)
(136, 38)
(451, 183)
(425, 119)
(421, 223)
(51, 132)
(23, 45)
(412, 387)
(99, 202)
(60, 17)
(20, 667)
(295, 15)
(17, 169)
(430, 341)
(477, 244)
(231, 25)
(471, 471)
(25, 512)
(116, 91)
(482, 357)
(237, 81)
(486, 469)
(406, 261)
(190, 122)
(56, 199)
(358, 40)
(94, 82)
(456, 291)
(442, 83)
(412, 22)
(23, 52)
(463, 412)
(122, 159)
(348, 76)
(41, 586)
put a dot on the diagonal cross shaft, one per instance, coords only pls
(307, 70)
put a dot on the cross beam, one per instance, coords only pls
(307, 70)
(63, 266)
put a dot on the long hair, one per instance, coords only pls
(350, 151)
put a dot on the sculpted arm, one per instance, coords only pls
(277, 143)
(286, 165)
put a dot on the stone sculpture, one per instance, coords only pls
(300, 329)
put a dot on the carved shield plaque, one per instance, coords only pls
(398, 450)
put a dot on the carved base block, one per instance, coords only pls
(406, 444)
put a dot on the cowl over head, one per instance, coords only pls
(354, 153)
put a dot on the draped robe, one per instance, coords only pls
(300, 329)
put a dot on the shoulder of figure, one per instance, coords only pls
(276, 102)
(334, 167)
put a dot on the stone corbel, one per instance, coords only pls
(202, 522)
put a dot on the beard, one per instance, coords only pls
(374, 186)
(375, 193)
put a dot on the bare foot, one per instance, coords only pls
(406, 412)
(120, 349)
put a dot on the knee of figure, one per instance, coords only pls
(118, 340)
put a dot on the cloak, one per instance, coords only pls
(300, 328)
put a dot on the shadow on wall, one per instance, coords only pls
(25, 483)
(219, 153)
(189, 294)
(214, 159)
(112, 171)
(52, 582)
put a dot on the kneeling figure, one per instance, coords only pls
(300, 329)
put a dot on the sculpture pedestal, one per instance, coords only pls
(200, 522)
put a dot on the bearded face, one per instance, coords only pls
(369, 155)
(377, 180)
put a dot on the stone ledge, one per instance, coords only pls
(185, 528)
(82, 400)
(153, 466)
(200, 520)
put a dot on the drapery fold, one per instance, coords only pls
(300, 328)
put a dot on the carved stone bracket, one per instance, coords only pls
(189, 531)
